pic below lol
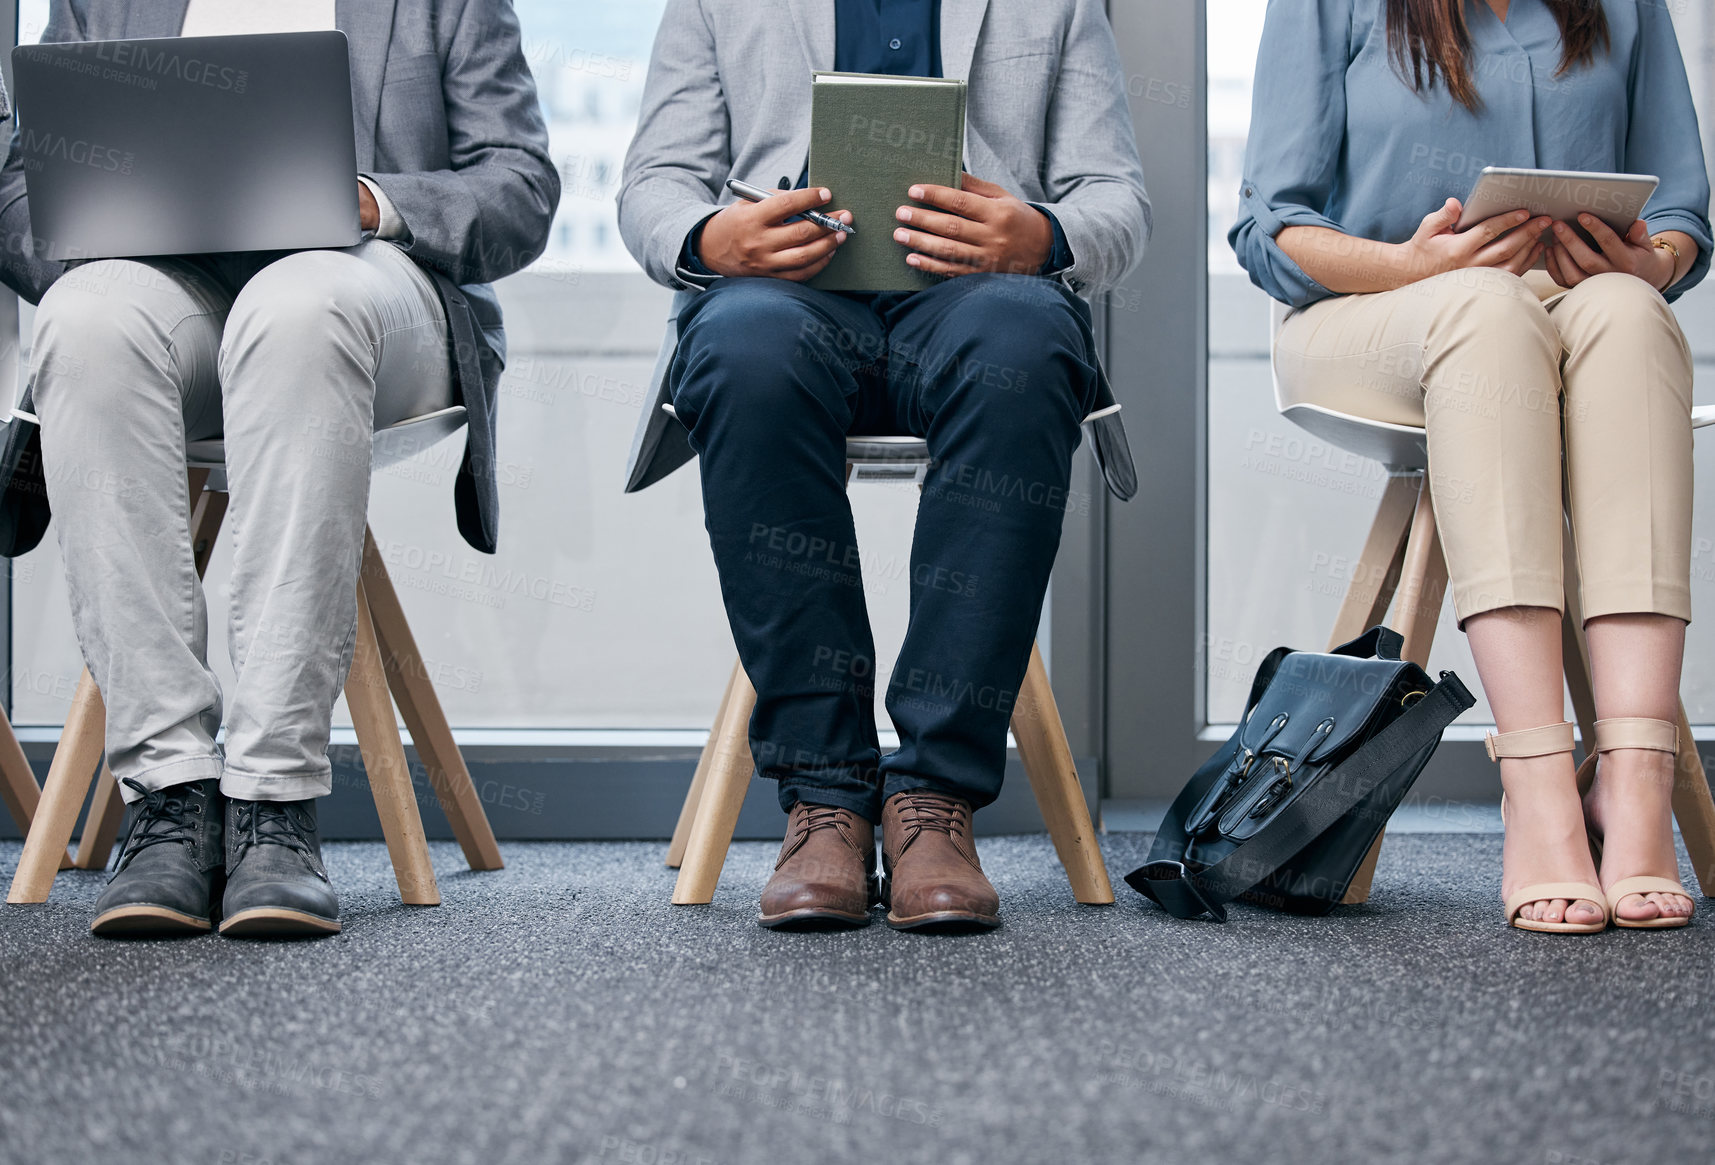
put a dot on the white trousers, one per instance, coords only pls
(295, 360)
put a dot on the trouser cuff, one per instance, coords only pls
(295, 787)
(1503, 592)
(866, 803)
(898, 783)
(179, 772)
(1636, 597)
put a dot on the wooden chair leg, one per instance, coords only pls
(424, 717)
(101, 830)
(366, 694)
(724, 787)
(68, 780)
(207, 515)
(1423, 583)
(1047, 756)
(694, 795)
(18, 789)
(1422, 591)
(1575, 651)
(1693, 808)
(1376, 573)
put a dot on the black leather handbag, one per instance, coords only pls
(1285, 812)
(24, 512)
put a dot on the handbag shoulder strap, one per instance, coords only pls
(1165, 878)
(1379, 642)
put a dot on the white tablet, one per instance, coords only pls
(1616, 199)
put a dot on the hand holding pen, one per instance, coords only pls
(760, 238)
(757, 194)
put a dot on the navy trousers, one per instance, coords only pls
(997, 373)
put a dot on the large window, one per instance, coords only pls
(1286, 512)
(601, 610)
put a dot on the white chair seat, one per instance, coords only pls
(393, 444)
(1399, 447)
(884, 451)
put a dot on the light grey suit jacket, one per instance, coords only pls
(728, 95)
(448, 125)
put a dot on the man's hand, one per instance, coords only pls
(1571, 261)
(753, 238)
(983, 229)
(368, 213)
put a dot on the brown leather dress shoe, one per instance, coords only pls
(826, 871)
(934, 880)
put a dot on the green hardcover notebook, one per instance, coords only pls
(872, 137)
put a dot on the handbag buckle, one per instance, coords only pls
(1231, 781)
(1282, 785)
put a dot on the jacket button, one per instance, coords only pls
(895, 44)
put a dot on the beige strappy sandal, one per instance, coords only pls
(1545, 741)
(1658, 736)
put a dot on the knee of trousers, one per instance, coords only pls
(1014, 352)
(1491, 349)
(1632, 320)
(759, 352)
(306, 310)
(1486, 305)
(99, 330)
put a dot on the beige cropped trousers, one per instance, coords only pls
(1517, 381)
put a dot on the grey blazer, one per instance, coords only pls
(728, 94)
(448, 125)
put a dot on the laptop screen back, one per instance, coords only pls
(188, 145)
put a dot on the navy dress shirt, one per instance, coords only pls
(901, 38)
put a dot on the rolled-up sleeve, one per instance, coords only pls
(1662, 139)
(1298, 122)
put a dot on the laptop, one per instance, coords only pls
(188, 145)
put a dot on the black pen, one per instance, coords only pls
(756, 194)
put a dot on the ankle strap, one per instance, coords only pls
(1544, 741)
(1636, 732)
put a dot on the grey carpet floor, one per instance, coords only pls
(561, 1011)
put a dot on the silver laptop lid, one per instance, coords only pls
(188, 145)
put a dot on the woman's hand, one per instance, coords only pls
(1571, 260)
(1353, 266)
(1505, 242)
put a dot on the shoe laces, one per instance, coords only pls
(270, 823)
(812, 819)
(820, 817)
(919, 811)
(166, 815)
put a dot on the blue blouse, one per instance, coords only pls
(1339, 139)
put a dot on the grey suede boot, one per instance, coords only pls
(276, 886)
(170, 864)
